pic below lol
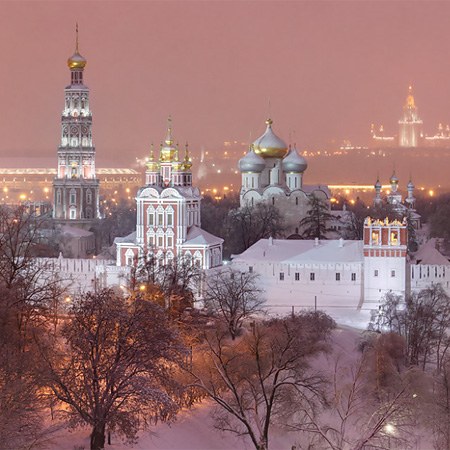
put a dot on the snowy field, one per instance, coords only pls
(193, 430)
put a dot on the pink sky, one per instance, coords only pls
(328, 68)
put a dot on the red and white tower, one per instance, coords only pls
(168, 214)
(385, 248)
(75, 187)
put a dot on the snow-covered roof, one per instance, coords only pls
(196, 236)
(303, 251)
(130, 239)
(429, 254)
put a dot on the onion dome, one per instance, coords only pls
(168, 150)
(410, 185)
(152, 164)
(251, 162)
(269, 145)
(293, 162)
(377, 185)
(394, 179)
(76, 61)
(187, 163)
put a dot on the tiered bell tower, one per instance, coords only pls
(76, 188)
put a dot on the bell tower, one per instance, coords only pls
(75, 187)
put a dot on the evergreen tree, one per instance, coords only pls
(315, 223)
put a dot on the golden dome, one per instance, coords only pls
(76, 61)
(187, 163)
(152, 164)
(269, 145)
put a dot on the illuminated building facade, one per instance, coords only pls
(410, 125)
(168, 214)
(76, 187)
(410, 130)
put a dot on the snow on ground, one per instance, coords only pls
(193, 430)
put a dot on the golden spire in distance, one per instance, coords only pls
(410, 98)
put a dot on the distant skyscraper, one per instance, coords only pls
(410, 125)
(75, 187)
(410, 133)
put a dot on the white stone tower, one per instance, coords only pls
(75, 187)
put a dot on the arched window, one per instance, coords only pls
(198, 259)
(129, 257)
(89, 197)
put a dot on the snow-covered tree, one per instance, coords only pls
(114, 367)
(233, 296)
(254, 377)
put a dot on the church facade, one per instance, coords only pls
(76, 187)
(168, 214)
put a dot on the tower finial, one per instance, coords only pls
(169, 139)
(187, 164)
(152, 153)
(76, 37)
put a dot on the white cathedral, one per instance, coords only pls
(273, 172)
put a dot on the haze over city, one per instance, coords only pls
(327, 69)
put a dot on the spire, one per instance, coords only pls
(187, 160)
(410, 98)
(76, 38)
(152, 153)
(169, 138)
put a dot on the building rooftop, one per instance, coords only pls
(303, 251)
